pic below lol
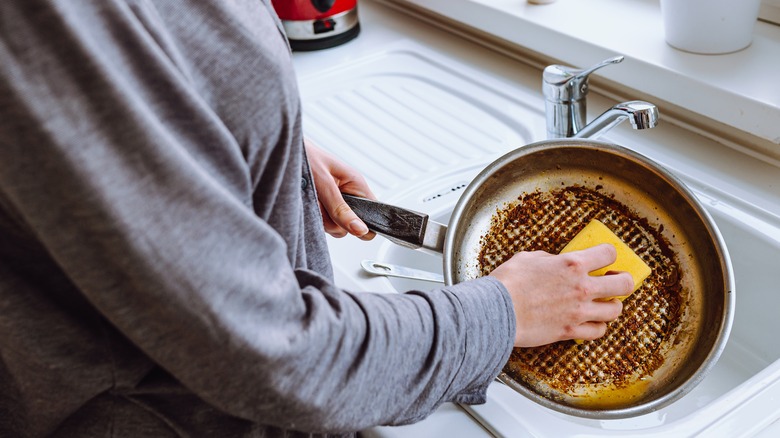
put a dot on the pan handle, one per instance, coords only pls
(404, 227)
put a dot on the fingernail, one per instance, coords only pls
(357, 227)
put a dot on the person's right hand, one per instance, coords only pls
(554, 297)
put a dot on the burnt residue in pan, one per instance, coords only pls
(634, 344)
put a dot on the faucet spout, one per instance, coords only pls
(642, 115)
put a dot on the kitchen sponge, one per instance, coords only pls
(596, 233)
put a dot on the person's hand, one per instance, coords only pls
(555, 299)
(331, 177)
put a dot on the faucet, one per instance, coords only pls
(565, 91)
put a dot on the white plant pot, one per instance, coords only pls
(709, 26)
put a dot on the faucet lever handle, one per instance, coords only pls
(613, 60)
(563, 83)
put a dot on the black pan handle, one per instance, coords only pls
(402, 226)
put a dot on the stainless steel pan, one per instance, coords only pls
(652, 193)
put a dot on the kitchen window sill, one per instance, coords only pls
(733, 98)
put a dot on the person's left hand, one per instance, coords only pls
(331, 177)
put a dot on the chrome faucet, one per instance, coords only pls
(565, 92)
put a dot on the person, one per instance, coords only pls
(163, 267)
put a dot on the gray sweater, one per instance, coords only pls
(163, 269)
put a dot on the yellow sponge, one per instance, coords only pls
(596, 233)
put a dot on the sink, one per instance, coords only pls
(420, 126)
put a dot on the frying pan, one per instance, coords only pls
(652, 193)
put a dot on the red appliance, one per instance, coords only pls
(318, 24)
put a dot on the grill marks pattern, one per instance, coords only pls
(634, 344)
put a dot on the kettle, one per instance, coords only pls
(318, 24)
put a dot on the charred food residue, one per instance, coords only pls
(632, 347)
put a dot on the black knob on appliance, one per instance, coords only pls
(323, 5)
